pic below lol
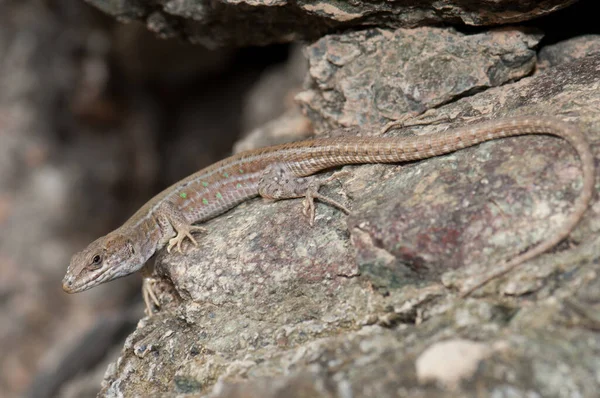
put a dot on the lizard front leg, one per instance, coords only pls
(277, 182)
(174, 226)
(148, 283)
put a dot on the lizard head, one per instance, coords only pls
(107, 258)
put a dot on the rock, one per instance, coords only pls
(569, 50)
(268, 306)
(373, 76)
(260, 22)
(450, 362)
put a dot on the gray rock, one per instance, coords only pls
(375, 75)
(569, 50)
(259, 22)
(364, 305)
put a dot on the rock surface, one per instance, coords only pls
(259, 22)
(96, 116)
(364, 305)
(373, 76)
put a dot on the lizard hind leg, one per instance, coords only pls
(312, 193)
(279, 183)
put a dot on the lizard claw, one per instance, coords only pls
(182, 234)
(172, 243)
(178, 239)
(197, 228)
(308, 209)
(150, 298)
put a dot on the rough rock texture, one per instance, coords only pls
(375, 75)
(569, 50)
(96, 116)
(258, 22)
(364, 305)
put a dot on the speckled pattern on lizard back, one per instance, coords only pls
(285, 172)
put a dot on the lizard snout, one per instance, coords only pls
(67, 284)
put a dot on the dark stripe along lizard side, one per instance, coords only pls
(285, 172)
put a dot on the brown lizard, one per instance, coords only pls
(285, 172)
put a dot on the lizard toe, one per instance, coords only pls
(189, 235)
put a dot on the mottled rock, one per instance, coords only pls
(259, 22)
(268, 306)
(375, 75)
(569, 50)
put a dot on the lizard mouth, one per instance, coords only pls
(70, 286)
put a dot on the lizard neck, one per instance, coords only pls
(146, 237)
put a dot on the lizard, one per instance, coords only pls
(289, 171)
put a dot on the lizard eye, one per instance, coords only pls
(96, 261)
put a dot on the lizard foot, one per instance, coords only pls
(312, 193)
(277, 182)
(150, 298)
(182, 233)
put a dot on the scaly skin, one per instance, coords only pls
(286, 171)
